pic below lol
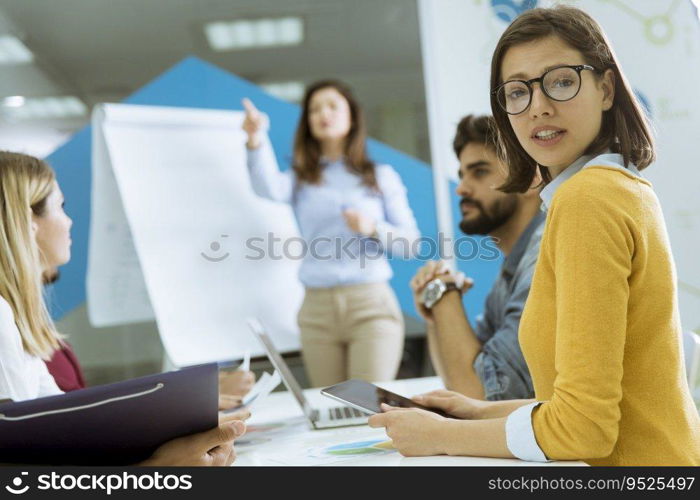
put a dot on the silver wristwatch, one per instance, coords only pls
(434, 291)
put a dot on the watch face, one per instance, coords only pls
(431, 293)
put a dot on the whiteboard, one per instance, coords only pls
(172, 215)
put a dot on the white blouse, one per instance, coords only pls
(22, 375)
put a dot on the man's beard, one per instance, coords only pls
(501, 211)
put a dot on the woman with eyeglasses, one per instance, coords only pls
(601, 330)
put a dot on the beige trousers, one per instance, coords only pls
(354, 331)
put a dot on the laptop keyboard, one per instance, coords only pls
(344, 412)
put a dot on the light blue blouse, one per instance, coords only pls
(335, 255)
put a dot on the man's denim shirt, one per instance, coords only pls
(500, 365)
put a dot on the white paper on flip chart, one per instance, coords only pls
(116, 291)
(172, 215)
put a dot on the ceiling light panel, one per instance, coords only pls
(288, 91)
(254, 33)
(13, 101)
(48, 107)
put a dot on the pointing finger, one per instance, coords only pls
(249, 106)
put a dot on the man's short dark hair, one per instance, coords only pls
(475, 128)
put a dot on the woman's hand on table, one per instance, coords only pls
(210, 448)
(417, 432)
(414, 432)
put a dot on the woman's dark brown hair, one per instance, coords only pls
(307, 150)
(624, 130)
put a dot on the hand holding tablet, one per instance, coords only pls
(368, 397)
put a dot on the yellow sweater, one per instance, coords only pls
(601, 331)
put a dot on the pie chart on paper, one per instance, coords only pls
(360, 448)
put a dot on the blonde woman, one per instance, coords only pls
(34, 235)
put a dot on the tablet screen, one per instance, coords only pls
(369, 397)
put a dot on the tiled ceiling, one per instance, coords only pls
(102, 50)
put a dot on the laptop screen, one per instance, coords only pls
(280, 364)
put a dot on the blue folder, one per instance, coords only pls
(114, 424)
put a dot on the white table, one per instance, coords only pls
(287, 438)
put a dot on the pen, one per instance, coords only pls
(245, 365)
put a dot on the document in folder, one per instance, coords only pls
(114, 424)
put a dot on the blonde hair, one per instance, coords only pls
(25, 184)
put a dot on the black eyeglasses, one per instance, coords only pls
(559, 84)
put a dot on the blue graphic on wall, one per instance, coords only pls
(508, 10)
(198, 84)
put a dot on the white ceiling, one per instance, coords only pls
(102, 50)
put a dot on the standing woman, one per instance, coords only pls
(601, 330)
(350, 212)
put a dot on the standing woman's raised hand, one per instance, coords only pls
(254, 123)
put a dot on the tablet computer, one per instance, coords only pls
(368, 397)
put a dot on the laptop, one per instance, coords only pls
(323, 418)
